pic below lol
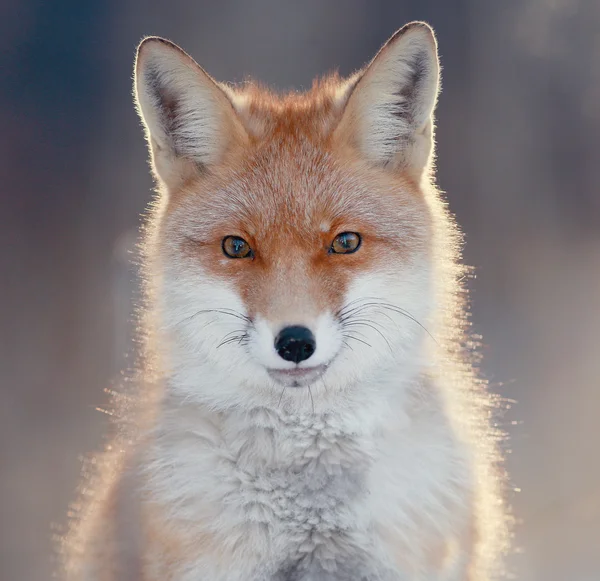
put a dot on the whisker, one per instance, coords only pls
(281, 396)
(242, 331)
(312, 401)
(359, 323)
(357, 339)
(239, 335)
(238, 338)
(221, 311)
(341, 313)
(371, 321)
(346, 313)
(364, 320)
(400, 311)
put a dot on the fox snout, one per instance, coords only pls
(295, 343)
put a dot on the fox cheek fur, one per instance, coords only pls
(307, 411)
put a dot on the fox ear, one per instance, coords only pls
(190, 122)
(388, 114)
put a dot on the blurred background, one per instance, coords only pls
(519, 155)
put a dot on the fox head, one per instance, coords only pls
(290, 248)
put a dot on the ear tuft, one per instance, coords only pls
(389, 113)
(188, 118)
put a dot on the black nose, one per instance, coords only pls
(295, 344)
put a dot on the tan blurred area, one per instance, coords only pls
(518, 155)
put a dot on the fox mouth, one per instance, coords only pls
(297, 377)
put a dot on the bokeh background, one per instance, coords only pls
(519, 155)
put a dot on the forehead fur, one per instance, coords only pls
(313, 113)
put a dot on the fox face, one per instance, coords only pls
(291, 243)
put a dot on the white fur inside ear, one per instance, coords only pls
(392, 104)
(185, 112)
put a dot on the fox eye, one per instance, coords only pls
(236, 247)
(345, 243)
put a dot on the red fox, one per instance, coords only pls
(311, 412)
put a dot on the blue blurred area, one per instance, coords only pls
(518, 134)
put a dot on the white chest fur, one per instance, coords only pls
(305, 497)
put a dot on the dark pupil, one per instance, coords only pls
(346, 240)
(238, 246)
